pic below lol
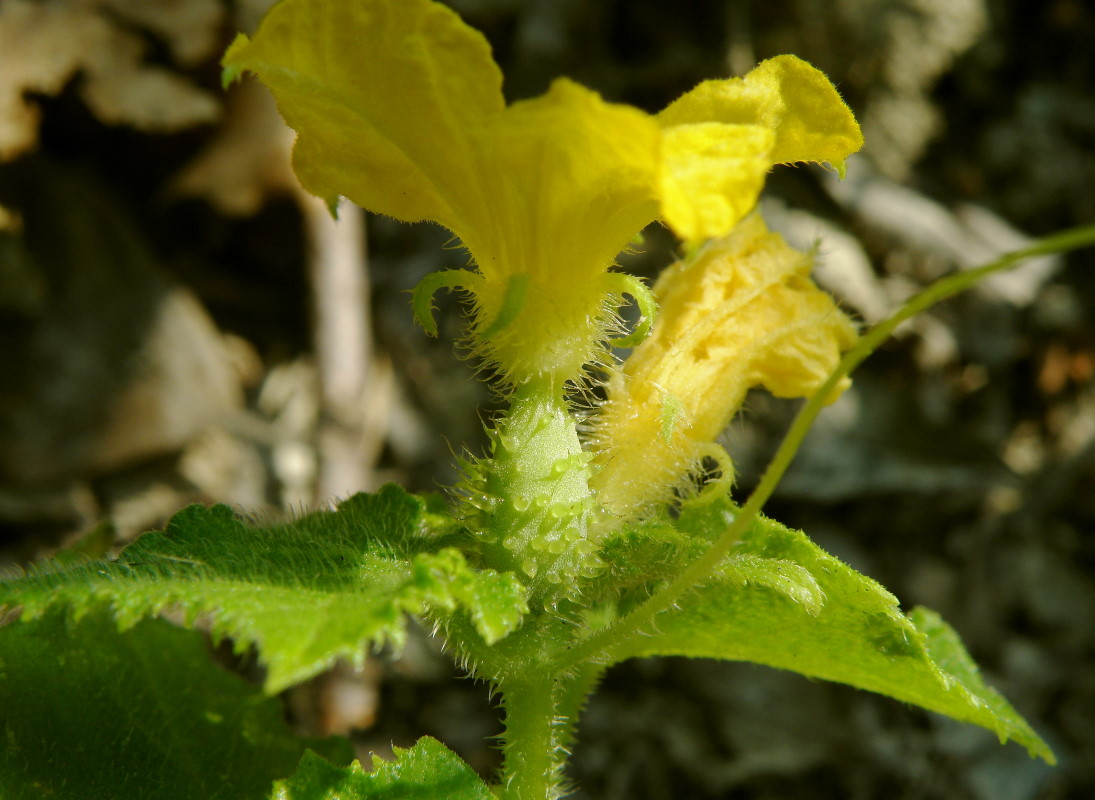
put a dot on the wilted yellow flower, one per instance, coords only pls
(742, 313)
(398, 106)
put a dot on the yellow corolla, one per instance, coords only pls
(398, 106)
(741, 313)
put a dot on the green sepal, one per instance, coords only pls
(425, 289)
(304, 593)
(89, 713)
(230, 73)
(512, 302)
(780, 600)
(620, 283)
(331, 202)
(426, 771)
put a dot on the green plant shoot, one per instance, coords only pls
(579, 539)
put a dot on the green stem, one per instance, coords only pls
(600, 645)
(532, 746)
(541, 711)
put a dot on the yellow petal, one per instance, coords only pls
(712, 174)
(573, 179)
(387, 98)
(786, 95)
(398, 106)
(742, 313)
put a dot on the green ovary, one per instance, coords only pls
(539, 509)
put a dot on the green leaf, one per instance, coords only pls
(781, 600)
(304, 593)
(427, 771)
(89, 713)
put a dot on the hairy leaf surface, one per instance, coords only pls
(88, 713)
(782, 601)
(426, 771)
(304, 593)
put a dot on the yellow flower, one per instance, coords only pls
(398, 106)
(742, 313)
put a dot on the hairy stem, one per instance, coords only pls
(532, 742)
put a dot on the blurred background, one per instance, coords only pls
(179, 323)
